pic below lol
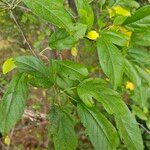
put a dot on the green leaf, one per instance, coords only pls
(140, 55)
(116, 37)
(85, 12)
(71, 70)
(140, 96)
(39, 74)
(145, 75)
(61, 40)
(51, 11)
(148, 124)
(13, 103)
(68, 74)
(142, 38)
(118, 21)
(112, 102)
(140, 21)
(131, 4)
(78, 31)
(101, 132)
(111, 61)
(102, 2)
(138, 112)
(8, 65)
(67, 86)
(31, 65)
(62, 130)
(131, 73)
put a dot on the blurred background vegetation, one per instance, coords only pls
(27, 134)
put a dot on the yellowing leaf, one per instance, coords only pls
(118, 10)
(74, 51)
(7, 140)
(92, 35)
(8, 65)
(121, 11)
(122, 30)
(125, 31)
(130, 86)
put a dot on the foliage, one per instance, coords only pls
(114, 28)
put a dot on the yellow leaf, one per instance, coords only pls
(7, 140)
(121, 11)
(92, 35)
(122, 30)
(130, 86)
(8, 65)
(125, 31)
(74, 52)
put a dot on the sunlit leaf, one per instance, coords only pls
(8, 65)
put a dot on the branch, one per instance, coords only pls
(22, 33)
(147, 131)
(4, 2)
(24, 8)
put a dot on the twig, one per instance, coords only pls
(72, 88)
(70, 97)
(148, 131)
(5, 2)
(24, 8)
(15, 4)
(22, 33)
(41, 53)
(13, 1)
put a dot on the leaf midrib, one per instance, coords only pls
(99, 125)
(70, 68)
(112, 64)
(51, 13)
(128, 134)
(31, 67)
(7, 113)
